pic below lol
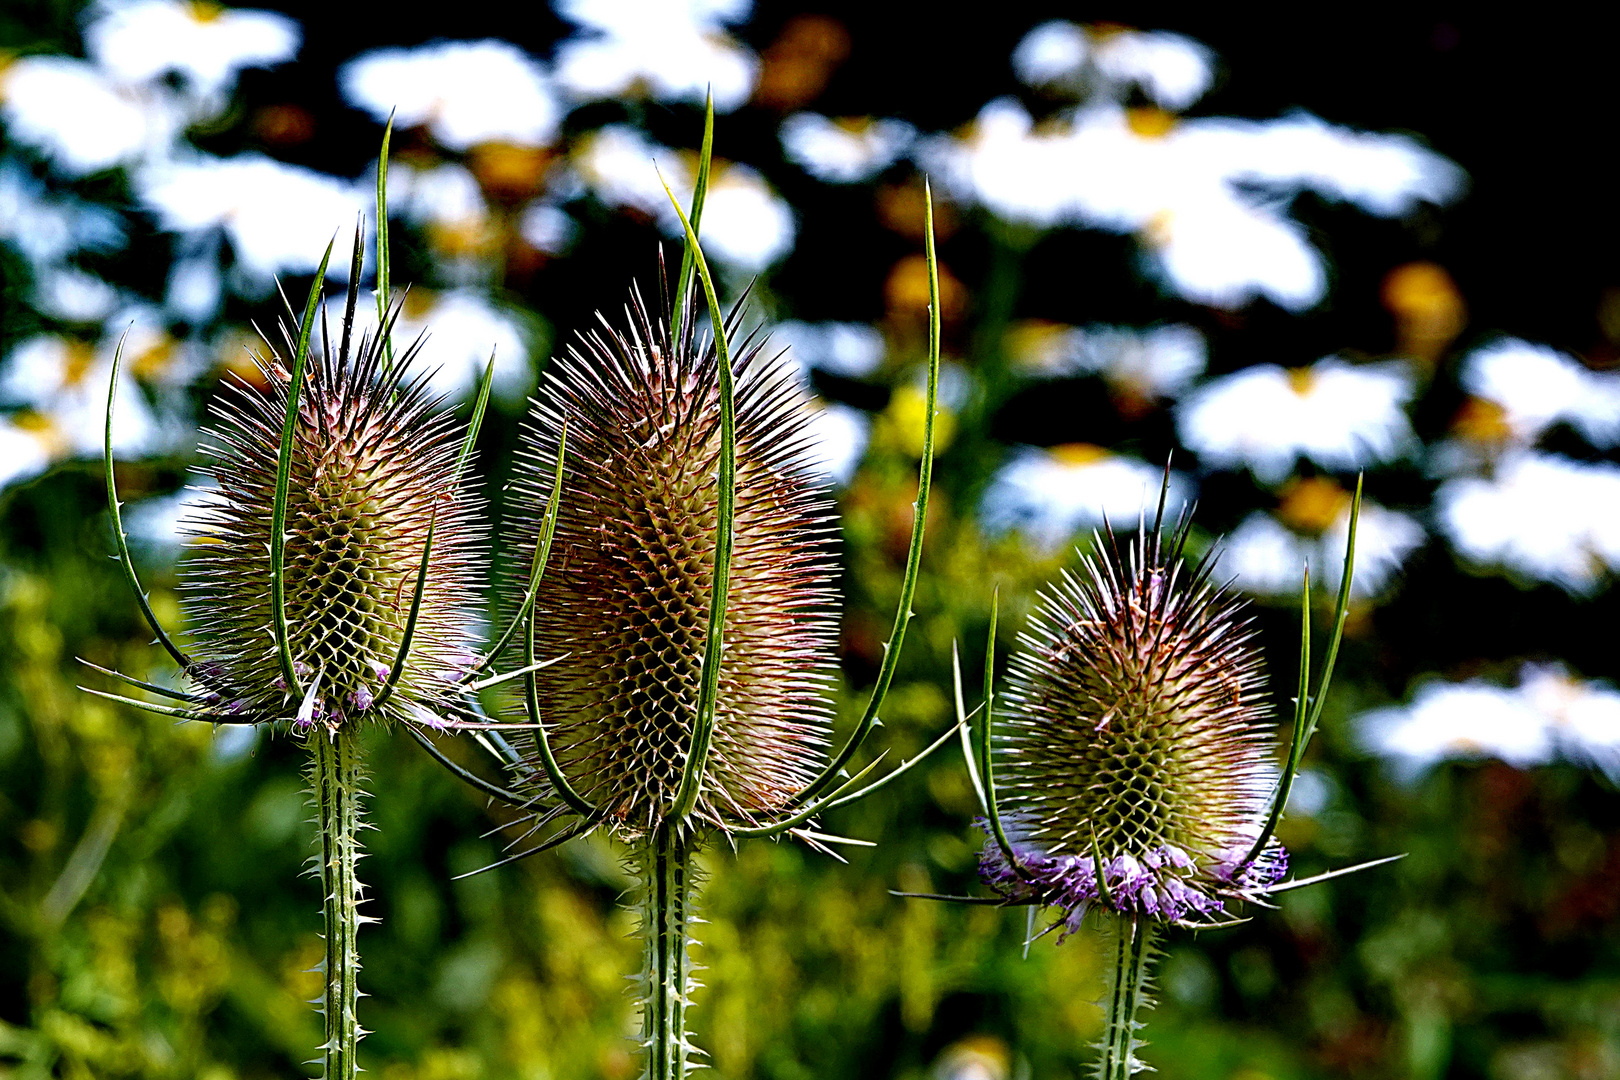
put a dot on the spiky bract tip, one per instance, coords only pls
(373, 469)
(624, 606)
(1135, 759)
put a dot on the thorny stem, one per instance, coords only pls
(666, 923)
(335, 778)
(1126, 994)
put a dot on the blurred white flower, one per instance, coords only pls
(746, 226)
(674, 50)
(845, 151)
(1172, 70)
(1208, 197)
(548, 228)
(836, 439)
(156, 522)
(1451, 721)
(1537, 387)
(23, 452)
(80, 119)
(1049, 495)
(1265, 557)
(1584, 716)
(1339, 415)
(1550, 714)
(445, 194)
(1152, 364)
(195, 289)
(850, 350)
(462, 329)
(63, 386)
(463, 92)
(278, 217)
(74, 296)
(1540, 515)
(137, 41)
(47, 229)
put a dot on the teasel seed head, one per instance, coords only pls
(624, 604)
(374, 468)
(1135, 758)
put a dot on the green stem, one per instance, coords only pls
(1127, 994)
(335, 777)
(666, 921)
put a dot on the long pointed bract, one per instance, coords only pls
(278, 514)
(124, 561)
(919, 520)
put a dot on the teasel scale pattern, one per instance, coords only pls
(623, 608)
(1135, 752)
(374, 466)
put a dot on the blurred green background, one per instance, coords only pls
(155, 920)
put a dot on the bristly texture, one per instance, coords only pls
(1136, 742)
(625, 603)
(374, 465)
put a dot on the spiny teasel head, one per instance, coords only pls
(374, 466)
(1135, 742)
(623, 608)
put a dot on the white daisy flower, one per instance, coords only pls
(1151, 364)
(137, 41)
(1050, 495)
(463, 328)
(47, 229)
(1584, 716)
(746, 226)
(1172, 70)
(1341, 416)
(675, 50)
(83, 121)
(1551, 714)
(851, 350)
(463, 92)
(1267, 558)
(1208, 197)
(278, 217)
(1458, 721)
(1543, 516)
(1537, 387)
(63, 386)
(838, 436)
(845, 151)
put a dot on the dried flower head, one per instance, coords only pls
(1135, 762)
(374, 468)
(624, 608)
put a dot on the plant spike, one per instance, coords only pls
(700, 192)
(148, 706)
(908, 587)
(398, 668)
(806, 813)
(667, 922)
(962, 727)
(986, 762)
(467, 776)
(548, 760)
(335, 778)
(278, 515)
(154, 688)
(476, 421)
(1305, 722)
(1127, 993)
(382, 246)
(579, 828)
(697, 758)
(537, 567)
(119, 538)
